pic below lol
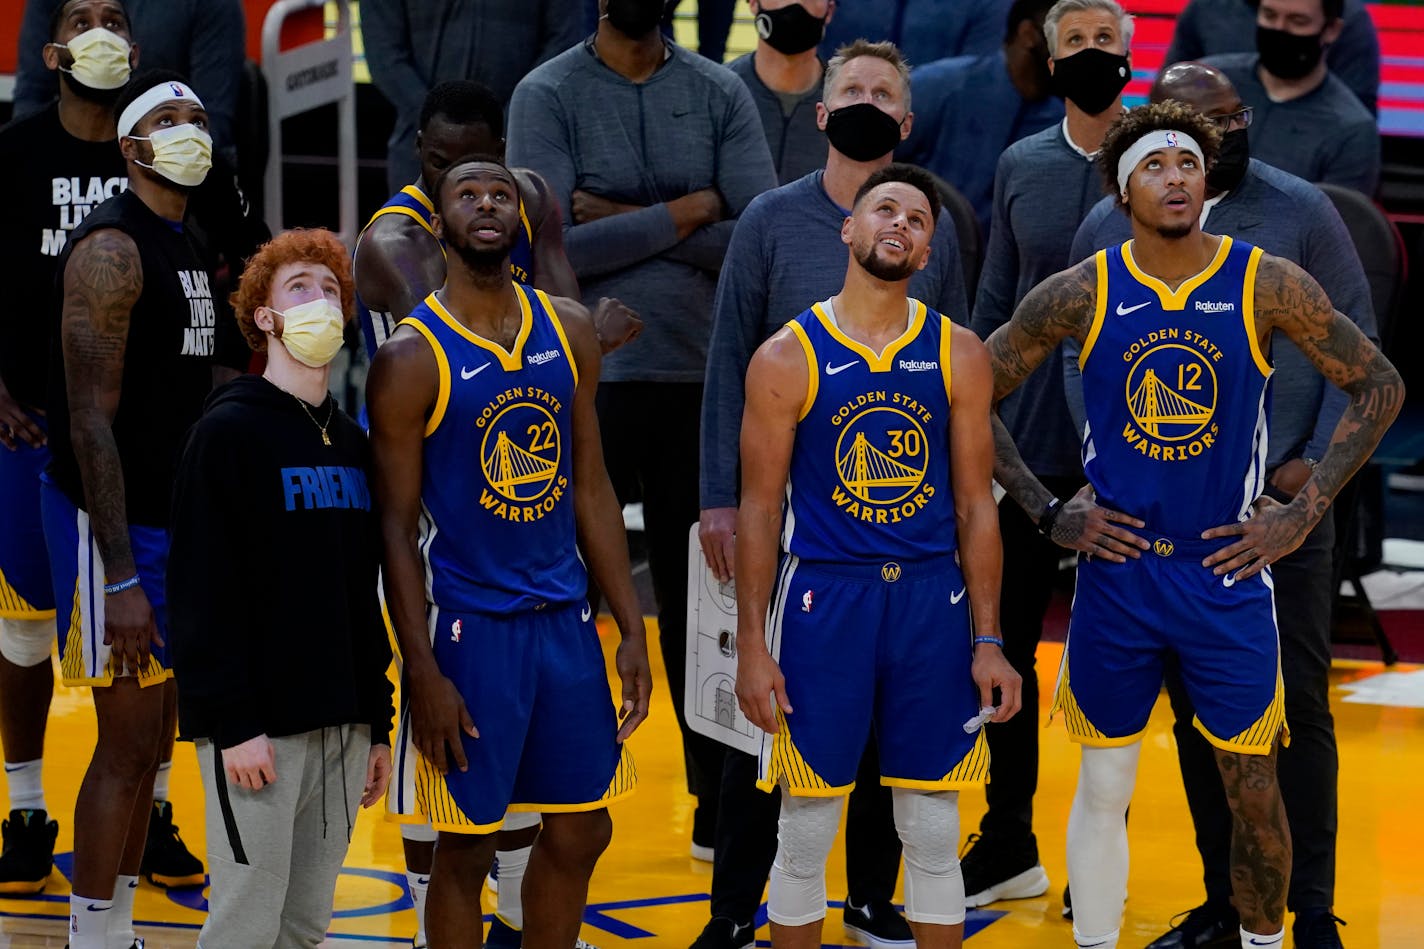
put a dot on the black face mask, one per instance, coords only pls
(635, 18)
(791, 29)
(1286, 55)
(1092, 80)
(862, 132)
(1231, 162)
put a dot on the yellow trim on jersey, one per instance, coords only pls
(972, 770)
(813, 381)
(1100, 310)
(624, 783)
(442, 396)
(14, 606)
(878, 362)
(1248, 312)
(1176, 299)
(420, 196)
(524, 219)
(74, 663)
(1080, 729)
(946, 350)
(790, 769)
(559, 328)
(1260, 738)
(406, 212)
(433, 800)
(511, 360)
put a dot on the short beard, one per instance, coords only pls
(1175, 232)
(104, 97)
(870, 261)
(485, 264)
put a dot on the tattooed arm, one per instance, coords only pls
(102, 282)
(1288, 299)
(1058, 308)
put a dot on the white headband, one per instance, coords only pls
(1151, 142)
(152, 99)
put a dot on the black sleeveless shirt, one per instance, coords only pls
(167, 361)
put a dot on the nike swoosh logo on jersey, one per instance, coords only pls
(956, 597)
(1124, 310)
(587, 612)
(471, 373)
(1228, 580)
(832, 370)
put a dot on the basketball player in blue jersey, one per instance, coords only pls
(866, 444)
(1176, 328)
(489, 469)
(399, 260)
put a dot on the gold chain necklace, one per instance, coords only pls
(325, 438)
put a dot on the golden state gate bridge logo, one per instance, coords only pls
(1171, 392)
(882, 455)
(520, 452)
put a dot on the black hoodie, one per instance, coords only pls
(273, 619)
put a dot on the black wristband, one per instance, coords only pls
(1049, 517)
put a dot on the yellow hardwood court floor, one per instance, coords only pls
(649, 894)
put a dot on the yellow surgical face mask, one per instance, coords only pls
(313, 331)
(101, 58)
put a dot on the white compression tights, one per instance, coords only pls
(796, 895)
(1097, 843)
(928, 824)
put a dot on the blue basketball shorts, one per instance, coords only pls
(78, 575)
(886, 646)
(1128, 617)
(536, 687)
(25, 588)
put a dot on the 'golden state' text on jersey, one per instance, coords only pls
(870, 466)
(412, 202)
(1177, 395)
(497, 528)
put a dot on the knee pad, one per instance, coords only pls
(1106, 778)
(928, 824)
(797, 892)
(520, 821)
(27, 642)
(418, 833)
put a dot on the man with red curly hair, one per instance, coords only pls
(275, 553)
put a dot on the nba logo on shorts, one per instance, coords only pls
(806, 602)
(1172, 139)
(455, 629)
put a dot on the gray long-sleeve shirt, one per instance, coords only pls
(1323, 136)
(691, 125)
(202, 39)
(797, 146)
(1211, 27)
(787, 254)
(1042, 190)
(1285, 217)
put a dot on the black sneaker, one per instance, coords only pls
(166, 860)
(502, 936)
(28, 852)
(1211, 924)
(724, 933)
(995, 869)
(878, 925)
(1068, 903)
(1316, 930)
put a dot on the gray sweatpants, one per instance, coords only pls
(274, 854)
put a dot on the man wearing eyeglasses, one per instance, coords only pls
(1290, 218)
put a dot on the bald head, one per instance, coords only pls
(1198, 85)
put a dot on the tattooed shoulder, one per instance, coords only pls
(1287, 297)
(1061, 305)
(103, 280)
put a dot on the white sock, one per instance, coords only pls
(26, 785)
(419, 884)
(89, 922)
(1255, 940)
(160, 781)
(512, 864)
(121, 931)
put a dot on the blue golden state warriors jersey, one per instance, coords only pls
(870, 465)
(497, 528)
(412, 202)
(1176, 390)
